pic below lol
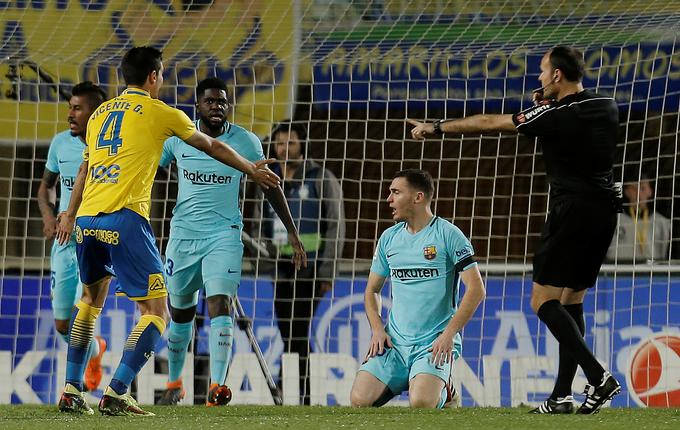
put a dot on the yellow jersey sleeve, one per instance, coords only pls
(176, 123)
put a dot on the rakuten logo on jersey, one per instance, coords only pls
(653, 375)
(68, 182)
(200, 178)
(414, 273)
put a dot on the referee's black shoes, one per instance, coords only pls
(563, 405)
(597, 396)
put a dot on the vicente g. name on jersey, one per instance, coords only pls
(200, 178)
(414, 273)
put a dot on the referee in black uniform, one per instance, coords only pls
(577, 130)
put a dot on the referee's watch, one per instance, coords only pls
(437, 127)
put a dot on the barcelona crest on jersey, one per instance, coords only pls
(430, 252)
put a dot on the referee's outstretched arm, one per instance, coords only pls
(473, 124)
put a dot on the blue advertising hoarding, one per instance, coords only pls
(411, 77)
(507, 358)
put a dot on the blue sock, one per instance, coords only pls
(140, 346)
(80, 336)
(179, 337)
(92, 350)
(221, 339)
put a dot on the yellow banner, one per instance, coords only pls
(49, 46)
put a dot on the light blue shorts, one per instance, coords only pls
(65, 287)
(398, 365)
(192, 264)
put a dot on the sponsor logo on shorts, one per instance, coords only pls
(521, 118)
(111, 237)
(79, 235)
(200, 178)
(156, 283)
(414, 273)
(430, 252)
(105, 174)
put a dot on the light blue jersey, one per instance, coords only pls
(208, 197)
(64, 157)
(425, 272)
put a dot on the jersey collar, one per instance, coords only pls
(137, 91)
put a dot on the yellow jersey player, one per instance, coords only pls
(113, 236)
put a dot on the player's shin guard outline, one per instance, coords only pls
(81, 333)
(179, 338)
(221, 340)
(140, 346)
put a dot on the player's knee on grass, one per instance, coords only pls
(425, 391)
(183, 316)
(368, 391)
(360, 399)
(423, 399)
(219, 305)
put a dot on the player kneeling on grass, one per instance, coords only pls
(426, 257)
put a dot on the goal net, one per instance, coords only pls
(351, 71)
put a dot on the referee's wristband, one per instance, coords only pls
(437, 126)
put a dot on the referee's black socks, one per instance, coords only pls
(567, 364)
(562, 325)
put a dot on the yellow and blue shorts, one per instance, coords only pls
(121, 244)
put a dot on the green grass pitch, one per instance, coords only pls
(272, 417)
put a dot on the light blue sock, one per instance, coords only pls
(442, 398)
(221, 339)
(63, 336)
(179, 337)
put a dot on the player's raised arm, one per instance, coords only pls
(474, 294)
(67, 219)
(379, 338)
(258, 171)
(473, 124)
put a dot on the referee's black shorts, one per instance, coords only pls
(574, 243)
